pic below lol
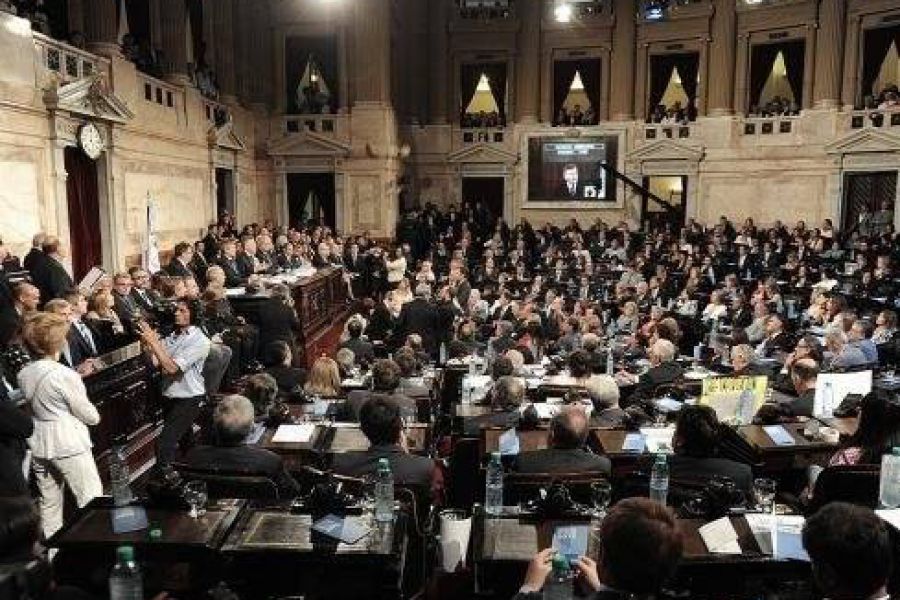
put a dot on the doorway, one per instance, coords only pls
(82, 198)
(484, 195)
(311, 199)
(672, 189)
(868, 202)
(224, 191)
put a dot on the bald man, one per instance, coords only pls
(567, 452)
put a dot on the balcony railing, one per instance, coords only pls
(658, 131)
(482, 135)
(329, 125)
(69, 62)
(774, 125)
(878, 118)
(485, 10)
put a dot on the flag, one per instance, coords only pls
(123, 22)
(151, 247)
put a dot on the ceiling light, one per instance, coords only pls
(563, 12)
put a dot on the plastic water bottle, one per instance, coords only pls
(442, 354)
(610, 363)
(493, 486)
(384, 492)
(559, 582)
(698, 352)
(125, 581)
(889, 481)
(828, 401)
(119, 477)
(659, 479)
(745, 408)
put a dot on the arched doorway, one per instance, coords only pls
(83, 200)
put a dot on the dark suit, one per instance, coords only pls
(419, 316)
(557, 460)
(407, 469)
(80, 348)
(363, 351)
(287, 378)
(127, 307)
(381, 323)
(276, 321)
(145, 299)
(663, 373)
(690, 468)
(246, 460)
(780, 343)
(34, 258)
(245, 265)
(51, 278)
(176, 268)
(349, 410)
(15, 428)
(802, 406)
(233, 275)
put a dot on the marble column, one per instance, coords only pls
(101, 26)
(417, 40)
(173, 24)
(438, 42)
(258, 52)
(829, 54)
(223, 30)
(721, 64)
(622, 67)
(528, 70)
(372, 48)
(75, 15)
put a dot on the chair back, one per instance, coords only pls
(856, 484)
(232, 484)
(522, 487)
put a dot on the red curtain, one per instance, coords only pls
(84, 212)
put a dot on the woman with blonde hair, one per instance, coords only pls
(101, 307)
(61, 443)
(324, 378)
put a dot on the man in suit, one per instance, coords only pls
(409, 385)
(571, 187)
(83, 343)
(640, 548)
(141, 291)
(382, 424)
(419, 316)
(124, 303)
(274, 317)
(232, 424)
(26, 299)
(696, 443)
(566, 454)
(663, 369)
(49, 275)
(182, 255)
(385, 380)
(35, 256)
(363, 350)
(777, 342)
(246, 259)
(16, 426)
(234, 276)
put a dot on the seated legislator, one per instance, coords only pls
(696, 444)
(381, 422)
(663, 370)
(507, 396)
(232, 421)
(385, 379)
(363, 350)
(15, 428)
(409, 384)
(742, 362)
(803, 373)
(277, 359)
(851, 552)
(324, 378)
(640, 548)
(566, 454)
(840, 354)
(275, 317)
(776, 342)
(604, 395)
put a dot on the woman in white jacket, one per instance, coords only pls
(61, 443)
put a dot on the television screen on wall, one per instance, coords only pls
(569, 169)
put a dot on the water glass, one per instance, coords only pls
(764, 493)
(601, 496)
(195, 494)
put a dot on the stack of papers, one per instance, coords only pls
(294, 434)
(720, 537)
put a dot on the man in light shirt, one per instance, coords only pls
(180, 357)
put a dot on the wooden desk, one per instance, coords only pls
(803, 453)
(273, 551)
(184, 557)
(530, 439)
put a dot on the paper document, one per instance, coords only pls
(509, 443)
(779, 435)
(891, 516)
(658, 439)
(720, 537)
(294, 434)
(761, 527)
(788, 540)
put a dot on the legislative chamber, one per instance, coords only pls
(449, 299)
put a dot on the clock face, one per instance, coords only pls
(91, 140)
